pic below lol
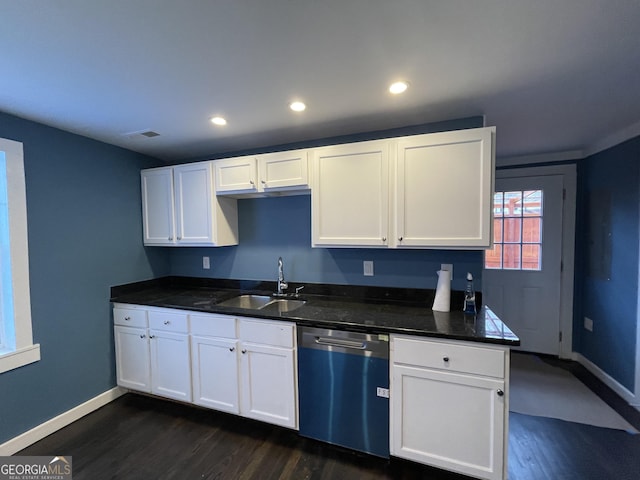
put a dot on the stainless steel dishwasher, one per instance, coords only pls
(343, 385)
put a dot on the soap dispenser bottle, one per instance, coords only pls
(470, 296)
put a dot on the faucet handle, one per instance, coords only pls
(298, 289)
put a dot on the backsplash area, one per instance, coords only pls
(281, 227)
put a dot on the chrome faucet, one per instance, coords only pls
(282, 285)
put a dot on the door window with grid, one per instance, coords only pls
(517, 231)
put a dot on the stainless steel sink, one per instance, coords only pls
(258, 302)
(286, 304)
(252, 302)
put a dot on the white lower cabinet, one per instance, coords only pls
(268, 384)
(449, 405)
(170, 367)
(132, 358)
(152, 351)
(214, 362)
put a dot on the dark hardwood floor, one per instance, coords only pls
(141, 437)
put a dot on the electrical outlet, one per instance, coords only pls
(367, 266)
(588, 324)
(205, 263)
(447, 267)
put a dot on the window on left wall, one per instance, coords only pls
(16, 339)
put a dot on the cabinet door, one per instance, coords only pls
(157, 206)
(284, 170)
(350, 195)
(445, 189)
(194, 203)
(236, 175)
(214, 364)
(170, 365)
(268, 388)
(132, 358)
(448, 420)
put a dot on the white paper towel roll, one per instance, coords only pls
(442, 302)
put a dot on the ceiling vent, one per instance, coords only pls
(141, 133)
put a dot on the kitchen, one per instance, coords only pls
(84, 237)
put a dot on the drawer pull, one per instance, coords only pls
(167, 322)
(143, 336)
(152, 336)
(244, 351)
(127, 319)
(500, 393)
(231, 349)
(445, 359)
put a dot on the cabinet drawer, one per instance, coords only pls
(267, 332)
(169, 321)
(448, 356)
(209, 325)
(130, 317)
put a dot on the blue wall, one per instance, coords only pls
(281, 226)
(84, 222)
(608, 292)
(273, 227)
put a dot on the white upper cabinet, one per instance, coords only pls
(423, 191)
(236, 175)
(261, 174)
(179, 207)
(284, 171)
(350, 195)
(444, 189)
(158, 215)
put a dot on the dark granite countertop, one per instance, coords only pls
(372, 309)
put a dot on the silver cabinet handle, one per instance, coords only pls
(167, 322)
(127, 319)
(251, 182)
(231, 349)
(384, 239)
(143, 336)
(445, 359)
(264, 182)
(244, 351)
(170, 239)
(152, 336)
(500, 393)
(179, 238)
(400, 238)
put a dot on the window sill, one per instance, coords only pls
(12, 359)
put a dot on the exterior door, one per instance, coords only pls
(522, 276)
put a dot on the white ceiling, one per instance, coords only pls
(551, 75)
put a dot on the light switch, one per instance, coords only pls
(368, 268)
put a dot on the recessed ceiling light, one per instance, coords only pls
(398, 87)
(218, 121)
(297, 106)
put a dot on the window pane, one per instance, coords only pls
(512, 230)
(532, 203)
(497, 230)
(512, 204)
(497, 204)
(493, 257)
(532, 257)
(511, 256)
(532, 230)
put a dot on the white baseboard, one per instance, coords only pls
(56, 423)
(609, 381)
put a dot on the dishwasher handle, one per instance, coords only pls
(339, 342)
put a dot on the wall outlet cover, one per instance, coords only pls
(368, 268)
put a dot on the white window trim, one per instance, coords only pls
(23, 351)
